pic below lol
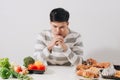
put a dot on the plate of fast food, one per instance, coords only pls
(91, 69)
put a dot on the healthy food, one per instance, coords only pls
(28, 60)
(32, 64)
(5, 73)
(4, 68)
(4, 62)
(38, 65)
(8, 70)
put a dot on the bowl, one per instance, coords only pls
(117, 67)
(36, 71)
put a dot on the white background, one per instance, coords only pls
(98, 21)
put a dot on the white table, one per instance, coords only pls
(58, 73)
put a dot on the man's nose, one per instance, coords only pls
(58, 30)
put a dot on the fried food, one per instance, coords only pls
(87, 74)
(91, 68)
(117, 74)
(82, 67)
(102, 65)
(80, 72)
(91, 61)
(94, 70)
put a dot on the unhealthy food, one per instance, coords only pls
(91, 61)
(91, 69)
(94, 70)
(80, 72)
(117, 74)
(87, 74)
(102, 65)
(82, 67)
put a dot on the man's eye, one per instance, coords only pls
(62, 27)
(55, 26)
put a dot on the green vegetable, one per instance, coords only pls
(28, 60)
(4, 62)
(24, 77)
(5, 73)
(20, 76)
(14, 74)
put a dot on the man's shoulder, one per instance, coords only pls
(45, 32)
(74, 33)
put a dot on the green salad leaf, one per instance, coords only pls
(5, 73)
(4, 62)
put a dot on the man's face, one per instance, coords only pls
(59, 28)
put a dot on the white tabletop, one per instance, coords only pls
(58, 73)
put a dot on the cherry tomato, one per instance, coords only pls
(17, 69)
(41, 67)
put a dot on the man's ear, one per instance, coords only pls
(50, 22)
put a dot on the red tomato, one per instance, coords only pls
(17, 69)
(32, 67)
(41, 67)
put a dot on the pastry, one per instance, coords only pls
(117, 74)
(82, 67)
(91, 61)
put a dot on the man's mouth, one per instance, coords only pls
(59, 34)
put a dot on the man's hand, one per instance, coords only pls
(56, 41)
(63, 45)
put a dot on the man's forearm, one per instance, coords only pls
(73, 57)
(49, 48)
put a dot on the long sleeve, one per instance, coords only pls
(41, 51)
(74, 54)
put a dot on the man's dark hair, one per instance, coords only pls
(59, 14)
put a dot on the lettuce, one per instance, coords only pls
(5, 73)
(4, 62)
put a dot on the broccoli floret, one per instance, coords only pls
(28, 60)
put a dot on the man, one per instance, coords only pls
(60, 45)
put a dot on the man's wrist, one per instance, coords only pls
(49, 48)
(65, 48)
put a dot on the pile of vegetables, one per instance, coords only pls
(8, 70)
(4, 68)
(4, 62)
(31, 64)
(28, 60)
